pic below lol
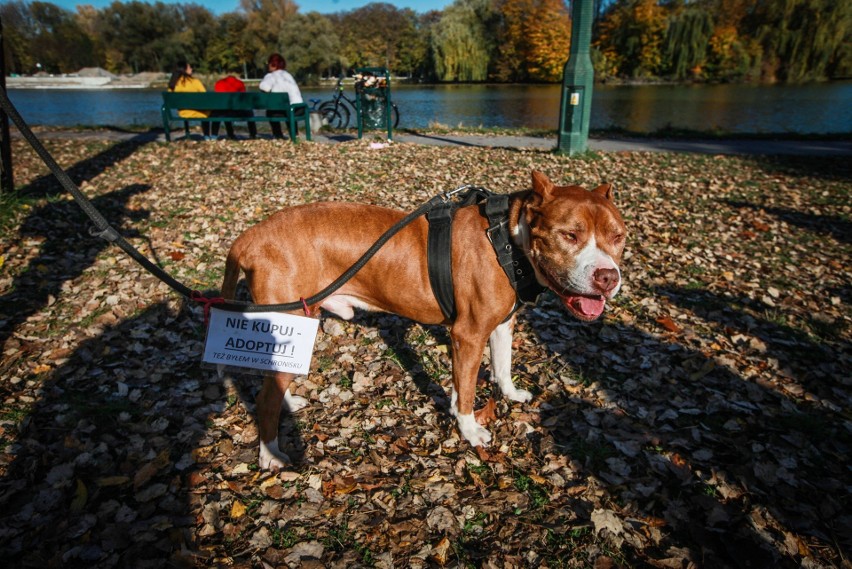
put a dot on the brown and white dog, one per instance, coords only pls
(573, 238)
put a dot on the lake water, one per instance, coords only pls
(814, 108)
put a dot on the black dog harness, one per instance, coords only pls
(495, 208)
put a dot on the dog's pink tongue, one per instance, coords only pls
(591, 306)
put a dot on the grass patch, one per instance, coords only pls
(102, 412)
(537, 493)
(284, 538)
(579, 547)
(12, 208)
(14, 413)
(592, 455)
(340, 539)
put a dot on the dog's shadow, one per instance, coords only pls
(421, 352)
(247, 383)
(402, 336)
(403, 340)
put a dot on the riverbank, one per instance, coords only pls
(96, 80)
(518, 139)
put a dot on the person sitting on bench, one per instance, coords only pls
(182, 81)
(231, 84)
(278, 80)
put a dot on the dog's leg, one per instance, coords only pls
(500, 343)
(272, 396)
(294, 402)
(467, 355)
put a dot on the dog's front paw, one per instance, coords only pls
(271, 458)
(295, 402)
(519, 395)
(473, 432)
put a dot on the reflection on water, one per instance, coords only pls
(814, 108)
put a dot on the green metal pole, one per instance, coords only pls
(7, 184)
(577, 82)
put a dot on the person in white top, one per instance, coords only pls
(278, 80)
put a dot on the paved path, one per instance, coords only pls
(738, 146)
(754, 147)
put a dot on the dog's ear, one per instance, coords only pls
(605, 190)
(542, 184)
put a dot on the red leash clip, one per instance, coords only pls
(207, 302)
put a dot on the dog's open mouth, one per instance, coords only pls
(584, 307)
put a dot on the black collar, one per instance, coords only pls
(513, 260)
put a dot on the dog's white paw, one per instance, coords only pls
(295, 402)
(271, 458)
(473, 432)
(519, 395)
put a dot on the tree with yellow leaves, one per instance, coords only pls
(548, 40)
(534, 39)
(631, 36)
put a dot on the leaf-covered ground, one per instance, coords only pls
(704, 421)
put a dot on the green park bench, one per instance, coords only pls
(224, 102)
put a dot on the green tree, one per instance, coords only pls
(803, 39)
(419, 57)
(687, 38)
(730, 57)
(376, 35)
(197, 32)
(311, 45)
(226, 50)
(45, 34)
(138, 36)
(18, 33)
(133, 35)
(86, 18)
(265, 19)
(413, 45)
(630, 38)
(460, 43)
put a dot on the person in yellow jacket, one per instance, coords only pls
(182, 81)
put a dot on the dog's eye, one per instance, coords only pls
(618, 239)
(569, 235)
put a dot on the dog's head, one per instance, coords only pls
(574, 239)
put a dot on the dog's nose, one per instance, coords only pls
(605, 279)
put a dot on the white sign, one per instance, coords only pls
(261, 340)
(575, 98)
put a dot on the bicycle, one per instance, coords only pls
(337, 112)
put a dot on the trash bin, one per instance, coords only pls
(373, 100)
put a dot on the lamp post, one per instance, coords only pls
(577, 81)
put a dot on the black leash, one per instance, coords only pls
(102, 227)
(105, 231)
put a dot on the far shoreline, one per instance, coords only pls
(154, 80)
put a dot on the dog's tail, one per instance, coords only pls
(232, 273)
